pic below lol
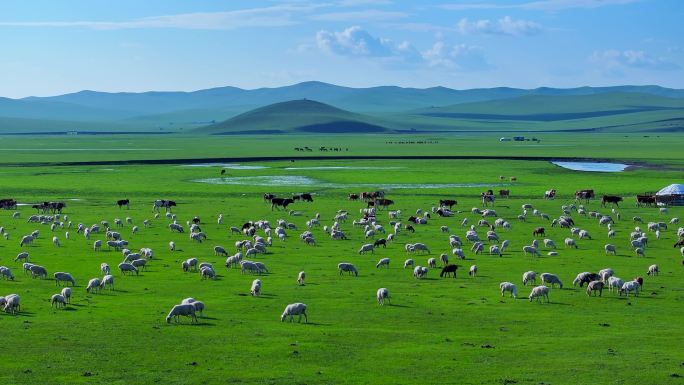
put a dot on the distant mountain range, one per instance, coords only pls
(322, 107)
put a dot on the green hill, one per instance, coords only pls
(296, 116)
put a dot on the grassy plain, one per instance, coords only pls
(436, 331)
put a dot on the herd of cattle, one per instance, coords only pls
(260, 234)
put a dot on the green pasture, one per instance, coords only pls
(658, 149)
(436, 330)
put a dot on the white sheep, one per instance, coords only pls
(366, 248)
(64, 277)
(382, 295)
(540, 292)
(58, 300)
(179, 310)
(610, 249)
(23, 255)
(127, 268)
(473, 271)
(615, 283)
(383, 262)
(107, 280)
(348, 267)
(653, 270)
(420, 272)
(93, 285)
(301, 277)
(630, 286)
(569, 242)
(256, 288)
(531, 250)
(432, 263)
(12, 304)
(549, 244)
(551, 279)
(294, 309)
(6, 273)
(408, 262)
(508, 287)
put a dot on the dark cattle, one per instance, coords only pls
(505, 193)
(588, 278)
(123, 202)
(383, 203)
(645, 200)
(447, 202)
(371, 204)
(412, 219)
(353, 197)
(380, 242)
(679, 243)
(268, 197)
(487, 197)
(410, 228)
(584, 194)
(306, 197)
(275, 202)
(372, 195)
(163, 203)
(54, 207)
(614, 199)
(247, 225)
(640, 281)
(539, 231)
(8, 204)
(448, 269)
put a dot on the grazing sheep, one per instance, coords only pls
(55, 241)
(540, 292)
(432, 263)
(420, 272)
(26, 240)
(504, 245)
(6, 273)
(383, 262)
(610, 249)
(294, 309)
(97, 245)
(585, 277)
(218, 250)
(653, 270)
(630, 286)
(187, 310)
(473, 271)
(127, 267)
(348, 267)
(189, 263)
(615, 283)
(494, 249)
(207, 273)
(38, 271)
(569, 242)
(107, 280)
(552, 253)
(531, 250)
(23, 255)
(408, 262)
(64, 277)
(366, 248)
(140, 263)
(551, 279)
(58, 300)
(605, 274)
(529, 276)
(383, 294)
(301, 277)
(508, 287)
(595, 286)
(93, 285)
(256, 288)
(549, 244)
(104, 268)
(66, 293)
(458, 253)
(639, 252)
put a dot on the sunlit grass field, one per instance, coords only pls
(436, 330)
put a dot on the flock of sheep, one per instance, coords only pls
(259, 237)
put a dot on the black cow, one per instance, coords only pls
(614, 199)
(447, 202)
(275, 202)
(123, 202)
(448, 269)
(380, 242)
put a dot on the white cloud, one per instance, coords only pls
(355, 41)
(461, 57)
(275, 16)
(504, 26)
(542, 5)
(615, 60)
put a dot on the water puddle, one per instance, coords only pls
(343, 168)
(593, 166)
(297, 180)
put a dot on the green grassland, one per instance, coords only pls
(658, 149)
(436, 330)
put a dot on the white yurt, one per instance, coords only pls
(672, 195)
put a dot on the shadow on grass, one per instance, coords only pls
(394, 305)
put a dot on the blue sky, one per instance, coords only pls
(55, 46)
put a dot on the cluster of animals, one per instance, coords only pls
(261, 233)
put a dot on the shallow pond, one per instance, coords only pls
(592, 166)
(299, 180)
